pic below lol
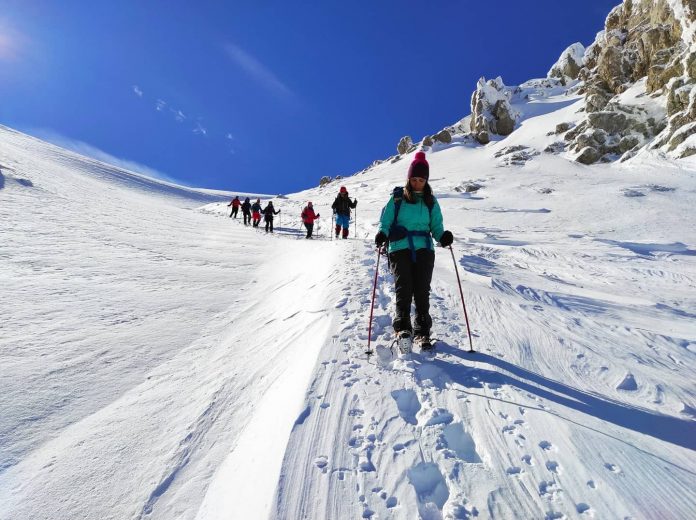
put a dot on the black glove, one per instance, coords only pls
(380, 239)
(356, 202)
(446, 239)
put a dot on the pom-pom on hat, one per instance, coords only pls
(419, 167)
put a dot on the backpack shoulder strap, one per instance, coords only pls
(398, 195)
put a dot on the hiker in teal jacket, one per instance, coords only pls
(411, 251)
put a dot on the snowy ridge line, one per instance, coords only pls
(95, 168)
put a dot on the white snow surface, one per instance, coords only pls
(159, 360)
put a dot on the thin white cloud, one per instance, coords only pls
(160, 105)
(88, 150)
(137, 90)
(229, 137)
(200, 129)
(178, 115)
(261, 74)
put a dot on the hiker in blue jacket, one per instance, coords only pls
(341, 208)
(409, 220)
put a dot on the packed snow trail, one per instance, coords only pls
(146, 341)
(484, 434)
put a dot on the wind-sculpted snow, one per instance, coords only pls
(160, 360)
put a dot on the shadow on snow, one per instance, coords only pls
(670, 429)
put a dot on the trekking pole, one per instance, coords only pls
(466, 317)
(369, 351)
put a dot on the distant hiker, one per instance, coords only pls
(246, 211)
(341, 207)
(268, 213)
(308, 217)
(256, 213)
(235, 206)
(408, 221)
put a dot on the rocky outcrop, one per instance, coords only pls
(648, 41)
(491, 112)
(443, 136)
(405, 145)
(569, 64)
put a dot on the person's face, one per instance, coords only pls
(417, 183)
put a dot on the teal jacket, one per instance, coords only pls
(414, 217)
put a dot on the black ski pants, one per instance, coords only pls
(412, 281)
(247, 217)
(310, 228)
(269, 222)
(234, 212)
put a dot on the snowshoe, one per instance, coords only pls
(424, 343)
(404, 342)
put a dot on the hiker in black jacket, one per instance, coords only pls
(341, 207)
(256, 213)
(268, 213)
(246, 211)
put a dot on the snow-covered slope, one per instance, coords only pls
(159, 360)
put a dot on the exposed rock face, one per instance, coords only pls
(569, 64)
(443, 136)
(643, 40)
(516, 155)
(491, 112)
(404, 145)
(324, 181)
(588, 155)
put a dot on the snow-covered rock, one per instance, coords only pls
(491, 112)
(569, 63)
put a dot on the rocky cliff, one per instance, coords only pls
(637, 80)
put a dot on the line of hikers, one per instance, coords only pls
(409, 222)
(252, 213)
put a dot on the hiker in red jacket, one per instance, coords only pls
(308, 217)
(235, 206)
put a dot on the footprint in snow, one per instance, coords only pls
(527, 459)
(612, 467)
(628, 384)
(514, 470)
(546, 445)
(408, 405)
(583, 508)
(321, 462)
(549, 488)
(553, 467)
(591, 484)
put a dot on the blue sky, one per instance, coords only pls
(265, 96)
